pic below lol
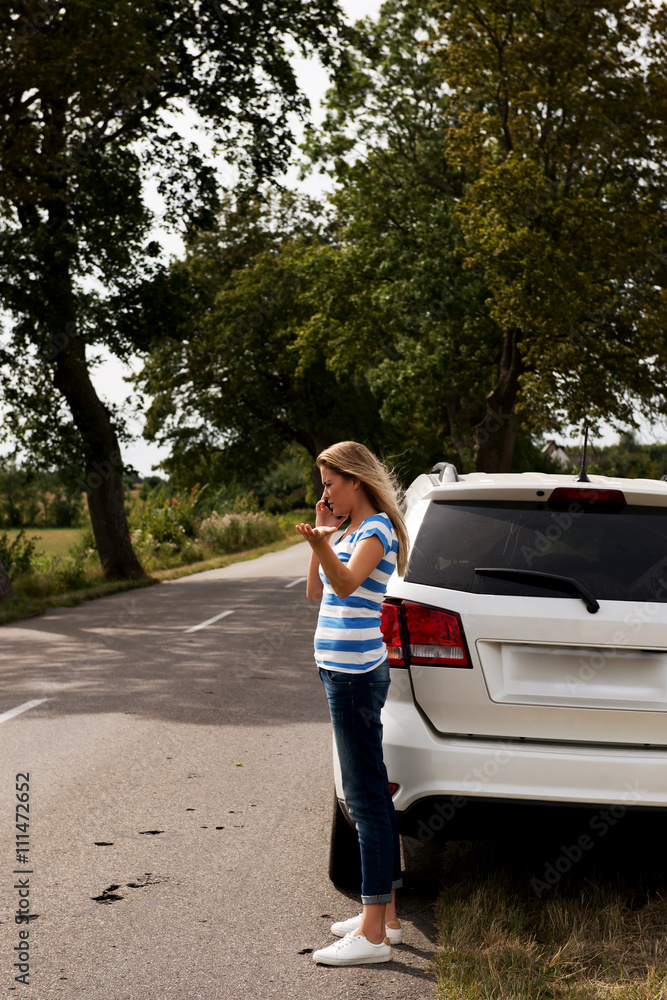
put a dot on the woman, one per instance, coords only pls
(350, 578)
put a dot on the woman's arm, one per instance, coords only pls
(344, 579)
(324, 529)
(314, 586)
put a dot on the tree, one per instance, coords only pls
(419, 327)
(561, 129)
(229, 386)
(630, 459)
(88, 100)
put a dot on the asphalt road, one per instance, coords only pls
(180, 797)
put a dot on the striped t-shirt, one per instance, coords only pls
(348, 635)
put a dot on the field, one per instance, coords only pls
(52, 541)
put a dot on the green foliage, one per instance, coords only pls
(37, 575)
(232, 386)
(70, 574)
(149, 485)
(285, 486)
(400, 315)
(89, 97)
(174, 528)
(17, 554)
(47, 574)
(355, 322)
(167, 518)
(36, 499)
(224, 533)
(529, 457)
(560, 128)
(630, 460)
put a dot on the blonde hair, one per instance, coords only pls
(354, 460)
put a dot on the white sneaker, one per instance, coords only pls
(343, 927)
(353, 949)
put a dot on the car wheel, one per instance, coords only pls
(344, 854)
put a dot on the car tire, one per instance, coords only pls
(344, 854)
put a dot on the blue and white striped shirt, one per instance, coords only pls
(348, 636)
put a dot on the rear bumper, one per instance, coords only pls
(431, 767)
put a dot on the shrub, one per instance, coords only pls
(235, 532)
(70, 573)
(17, 555)
(167, 521)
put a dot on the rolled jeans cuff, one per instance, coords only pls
(372, 900)
(397, 883)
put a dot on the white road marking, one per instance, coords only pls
(223, 614)
(294, 582)
(6, 716)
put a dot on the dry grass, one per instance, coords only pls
(600, 933)
(51, 541)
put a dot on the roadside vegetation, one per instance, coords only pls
(173, 532)
(48, 548)
(528, 920)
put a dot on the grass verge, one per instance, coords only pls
(542, 923)
(28, 607)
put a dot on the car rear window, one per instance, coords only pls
(618, 552)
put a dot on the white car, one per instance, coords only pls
(528, 647)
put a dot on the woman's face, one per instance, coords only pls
(342, 492)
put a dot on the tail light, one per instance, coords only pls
(390, 624)
(419, 634)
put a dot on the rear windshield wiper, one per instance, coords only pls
(548, 580)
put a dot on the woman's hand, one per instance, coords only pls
(325, 518)
(316, 534)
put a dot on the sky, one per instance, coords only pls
(109, 377)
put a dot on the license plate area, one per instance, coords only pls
(601, 677)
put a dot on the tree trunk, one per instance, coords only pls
(6, 589)
(495, 436)
(103, 464)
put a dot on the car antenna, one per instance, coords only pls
(583, 476)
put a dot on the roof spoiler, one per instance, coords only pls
(446, 472)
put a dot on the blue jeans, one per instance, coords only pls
(355, 703)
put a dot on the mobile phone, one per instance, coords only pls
(341, 517)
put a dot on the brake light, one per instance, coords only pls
(570, 494)
(393, 788)
(390, 624)
(436, 636)
(419, 634)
